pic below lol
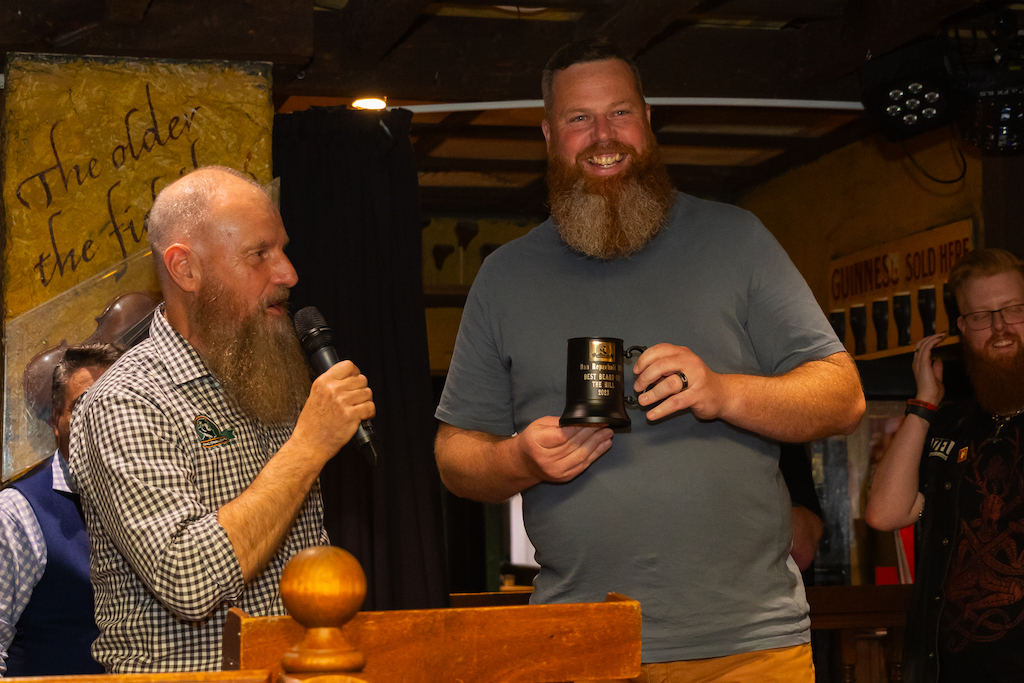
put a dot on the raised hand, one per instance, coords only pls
(928, 371)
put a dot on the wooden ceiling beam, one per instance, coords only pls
(700, 61)
(373, 27)
(39, 25)
(874, 27)
(446, 59)
(433, 132)
(727, 140)
(632, 25)
(696, 171)
(451, 125)
(516, 133)
(793, 9)
(486, 201)
(455, 164)
(584, 5)
(473, 61)
(126, 11)
(280, 31)
(842, 136)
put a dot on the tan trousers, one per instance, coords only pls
(781, 665)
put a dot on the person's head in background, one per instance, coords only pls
(77, 370)
(989, 289)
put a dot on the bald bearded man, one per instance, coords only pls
(198, 455)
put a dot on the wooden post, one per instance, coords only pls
(323, 588)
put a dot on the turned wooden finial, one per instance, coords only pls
(322, 589)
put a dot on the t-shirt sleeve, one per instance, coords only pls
(478, 390)
(786, 325)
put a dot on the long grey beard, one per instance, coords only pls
(262, 370)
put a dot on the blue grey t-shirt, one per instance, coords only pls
(690, 517)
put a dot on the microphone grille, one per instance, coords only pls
(312, 330)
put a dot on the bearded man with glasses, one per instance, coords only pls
(960, 471)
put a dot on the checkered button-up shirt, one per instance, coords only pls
(156, 450)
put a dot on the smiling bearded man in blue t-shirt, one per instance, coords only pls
(685, 511)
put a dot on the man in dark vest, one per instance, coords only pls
(46, 610)
(959, 470)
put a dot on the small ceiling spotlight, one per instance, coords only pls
(370, 103)
(909, 91)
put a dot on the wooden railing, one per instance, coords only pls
(256, 676)
(329, 640)
(326, 636)
(322, 588)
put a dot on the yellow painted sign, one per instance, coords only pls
(885, 299)
(89, 143)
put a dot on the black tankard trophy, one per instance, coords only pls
(594, 385)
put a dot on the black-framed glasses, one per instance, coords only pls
(982, 320)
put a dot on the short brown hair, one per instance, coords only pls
(596, 49)
(74, 359)
(981, 263)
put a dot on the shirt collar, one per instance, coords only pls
(185, 362)
(61, 474)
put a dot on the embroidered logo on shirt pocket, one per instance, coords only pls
(210, 434)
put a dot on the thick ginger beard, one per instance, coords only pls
(609, 217)
(998, 379)
(255, 356)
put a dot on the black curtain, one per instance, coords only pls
(350, 204)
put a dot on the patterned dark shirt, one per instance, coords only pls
(984, 583)
(156, 449)
(965, 622)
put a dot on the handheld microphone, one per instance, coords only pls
(317, 342)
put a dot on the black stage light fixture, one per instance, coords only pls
(994, 90)
(909, 91)
(994, 116)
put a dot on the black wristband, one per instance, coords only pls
(920, 411)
